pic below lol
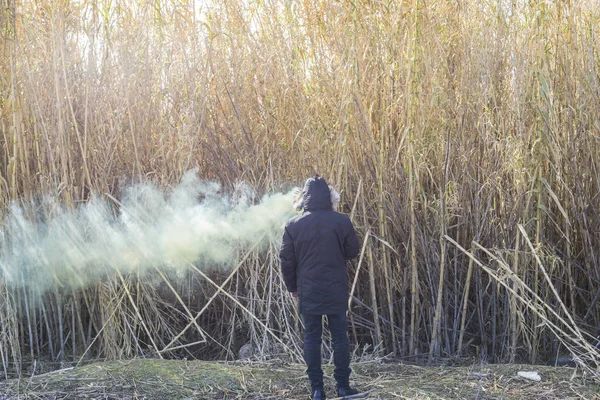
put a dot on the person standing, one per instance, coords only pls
(316, 245)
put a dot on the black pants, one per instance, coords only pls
(338, 326)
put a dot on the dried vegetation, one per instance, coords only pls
(174, 379)
(464, 137)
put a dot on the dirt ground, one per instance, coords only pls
(167, 379)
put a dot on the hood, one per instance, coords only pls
(316, 194)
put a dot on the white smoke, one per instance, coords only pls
(58, 247)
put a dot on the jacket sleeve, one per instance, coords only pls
(351, 245)
(287, 256)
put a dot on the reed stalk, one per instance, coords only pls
(433, 119)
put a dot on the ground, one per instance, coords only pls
(169, 379)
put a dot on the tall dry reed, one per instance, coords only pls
(476, 123)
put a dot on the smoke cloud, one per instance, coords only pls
(71, 248)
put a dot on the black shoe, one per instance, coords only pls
(319, 394)
(346, 391)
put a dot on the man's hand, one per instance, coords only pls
(294, 295)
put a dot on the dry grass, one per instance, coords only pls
(159, 379)
(435, 119)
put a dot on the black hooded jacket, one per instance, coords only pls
(316, 245)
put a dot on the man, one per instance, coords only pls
(316, 245)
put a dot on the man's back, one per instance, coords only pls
(316, 245)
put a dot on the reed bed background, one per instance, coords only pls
(464, 136)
